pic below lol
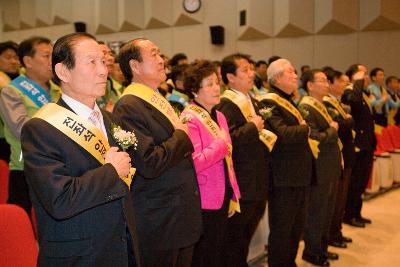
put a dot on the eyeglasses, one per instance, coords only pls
(321, 81)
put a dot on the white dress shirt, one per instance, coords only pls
(84, 111)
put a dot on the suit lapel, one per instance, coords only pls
(255, 105)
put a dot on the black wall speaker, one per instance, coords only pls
(217, 35)
(80, 26)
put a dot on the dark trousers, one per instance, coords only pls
(129, 246)
(287, 211)
(4, 150)
(335, 233)
(209, 250)
(319, 214)
(240, 229)
(18, 191)
(181, 257)
(358, 181)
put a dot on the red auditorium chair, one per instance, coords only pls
(394, 134)
(391, 135)
(4, 173)
(383, 162)
(18, 246)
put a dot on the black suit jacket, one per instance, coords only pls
(164, 191)
(364, 121)
(327, 165)
(291, 156)
(346, 137)
(79, 203)
(250, 155)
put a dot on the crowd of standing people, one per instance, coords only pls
(139, 160)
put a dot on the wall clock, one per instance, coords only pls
(191, 6)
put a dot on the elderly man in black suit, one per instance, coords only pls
(291, 166)
(165, 191)
(84, 217)
(250, 155)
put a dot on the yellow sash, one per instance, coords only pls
(155, 99)
(4, 79)
(336, 105)
(313, 144)
(339, 108)
(213, 128)
(321, 109)
(81, 131)
(366, 99)
(267, 137)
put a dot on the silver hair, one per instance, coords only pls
(277, 68)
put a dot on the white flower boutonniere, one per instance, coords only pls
(124, 139)
(185, 118)
(266, 113)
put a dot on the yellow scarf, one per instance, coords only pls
(321, 109)
(267, 137)
(155, 99)
(313, 144)
(81, 131)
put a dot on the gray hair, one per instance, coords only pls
(277, 68)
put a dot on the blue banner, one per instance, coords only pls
(31, 89)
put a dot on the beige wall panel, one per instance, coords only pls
(182, 18)
(293, 18)
(120, 36)
(106, 19)
(131, 15)
(61, 11)
(347, 12)
(224, 13)
(27, 14)
(44, 13)
(391, 9)
(281, 15)
(377, 15)
(162, 38)
(380, 49)
(336, 16)
(258, 49)
(85, 11)
(302, 14)
(189, 40)
(258, 19)
(53, 33)
(10, 12)
(158, 13)
(338, 51)
(323, 13)
(299, 50)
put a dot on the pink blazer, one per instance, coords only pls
(208, 157)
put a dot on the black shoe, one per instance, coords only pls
(346, 239)
(316, 260)
(338, 244)
(354, 222)
(363, 220)
(331, 256)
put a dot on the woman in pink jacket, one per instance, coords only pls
(209, 133)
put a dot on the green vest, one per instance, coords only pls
(16, 160)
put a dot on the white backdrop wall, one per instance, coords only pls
(314, 32)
